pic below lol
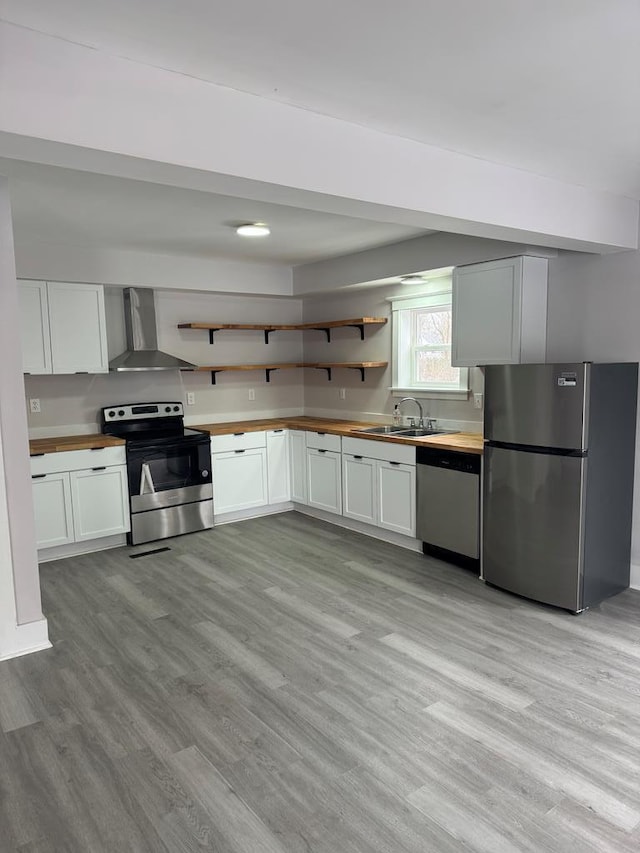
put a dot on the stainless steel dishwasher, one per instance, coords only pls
(448, 505)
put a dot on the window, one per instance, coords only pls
(422, 342)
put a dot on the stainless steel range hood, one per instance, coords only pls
(142, 351)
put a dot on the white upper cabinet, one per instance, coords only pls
(63, 327)
(78, 328)
(500, 312)
(34, 324)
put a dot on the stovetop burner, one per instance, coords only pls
(147, 423)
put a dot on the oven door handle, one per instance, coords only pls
(146, 480)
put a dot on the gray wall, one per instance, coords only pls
(372, 398)
(71, 403)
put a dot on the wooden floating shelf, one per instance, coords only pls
(355, 323)
(269, 368)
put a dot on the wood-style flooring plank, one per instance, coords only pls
(282, 685)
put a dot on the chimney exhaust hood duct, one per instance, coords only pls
(142, 351)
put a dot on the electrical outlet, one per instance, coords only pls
(343, 393)
(191, 398)
(34, 406)
(477, 401)
(252, 393)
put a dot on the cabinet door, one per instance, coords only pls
(34, 319)
(359, 485)
(324, 479)
(397, 497)
(298, 460)
(52, 509)
(486, 312)
(77, 327)
(100, 501)
(239, 480)
(279, 487)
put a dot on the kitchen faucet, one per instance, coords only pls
(412, 400)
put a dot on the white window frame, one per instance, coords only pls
(434, 294)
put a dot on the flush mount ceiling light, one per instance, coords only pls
(414, 278)
(253, 229)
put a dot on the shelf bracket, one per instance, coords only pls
(269, 371)
(267, 332)
(361, 369)
(358, 326)
(326, 331)
(213, 376)
(211, 333)
(328, 369)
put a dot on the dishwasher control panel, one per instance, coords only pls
(469, 463)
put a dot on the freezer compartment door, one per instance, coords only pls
(542, 405)
(532, 525)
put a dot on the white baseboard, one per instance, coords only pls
(75, 549)
(407, 542)
(634, 581)
(254, 512)
(25, 639)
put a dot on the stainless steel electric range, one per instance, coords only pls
(168, 468)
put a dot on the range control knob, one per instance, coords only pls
(111, 415)
(121, 413)
(167, 408)
(176, 408)
(205, 473)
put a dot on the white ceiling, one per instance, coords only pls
(71, 208)
(549, 86)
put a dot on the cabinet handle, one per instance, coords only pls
(81, 372)
(357, 457)
(102, 468)
(238, 451)
(38, 476)
(36, 454)
(321, 433)
(321, 451)
(238, 433)
(97, 448)
(394, 463)
(278, 430)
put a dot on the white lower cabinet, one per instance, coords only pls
(324, 479)
(379, 481)
(99, 498)
(75, 503)
(279, 481)
(239, 479)
(359, 488)
(396, 490)
(298, 465)
(52, 508)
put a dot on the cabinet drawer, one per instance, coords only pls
(324, 441)
(238, 441)
(386, 451)
(78, 460)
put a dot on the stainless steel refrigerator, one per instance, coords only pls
(558, 473)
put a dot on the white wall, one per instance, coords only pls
(594, 315)
(22, 627)
(56, 93)
(145, 269)
(72, 403)
(372, 398)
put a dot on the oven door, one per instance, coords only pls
(169, 474)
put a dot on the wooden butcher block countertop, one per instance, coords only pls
(467, 442)
(60, 443)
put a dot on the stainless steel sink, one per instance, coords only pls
(383, 430)
(418, 433)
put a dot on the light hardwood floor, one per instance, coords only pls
(283, 685)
